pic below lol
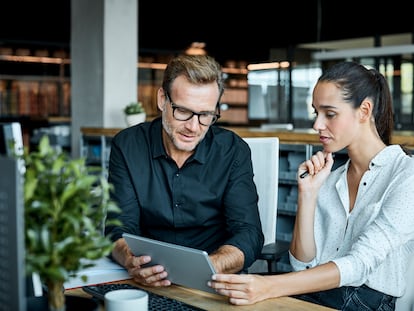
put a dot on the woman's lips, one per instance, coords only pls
(324, 139)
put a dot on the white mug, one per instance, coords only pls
(126, 300)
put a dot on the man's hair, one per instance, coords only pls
(198, 69)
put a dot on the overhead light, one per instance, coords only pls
(365, 52)
(196, 48)
(263, 66)
(35, 59)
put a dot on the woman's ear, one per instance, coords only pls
(365, 109)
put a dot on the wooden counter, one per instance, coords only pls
(299, 136)
(208, 301)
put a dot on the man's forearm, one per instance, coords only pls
(228, 259)
(120, 251)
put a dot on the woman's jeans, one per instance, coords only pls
(350, 298)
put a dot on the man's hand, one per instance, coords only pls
(150, 276)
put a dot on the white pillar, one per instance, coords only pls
(104, 56)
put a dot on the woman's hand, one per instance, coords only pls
(242, 289)
(318, 167)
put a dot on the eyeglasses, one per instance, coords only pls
(183, 114)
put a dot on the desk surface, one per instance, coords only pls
(302, 136)
(214, 302)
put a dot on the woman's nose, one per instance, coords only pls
(318, 124)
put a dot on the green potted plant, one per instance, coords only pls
(134, 113)
(66, 203)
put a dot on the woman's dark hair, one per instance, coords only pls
(357, 83)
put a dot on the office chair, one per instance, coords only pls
(265, 159)
(406, 301)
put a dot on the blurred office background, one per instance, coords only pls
(271, 53)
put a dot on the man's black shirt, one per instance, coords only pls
(210, 201)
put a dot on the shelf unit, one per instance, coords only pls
(234, 102)
(38, 86)
(96, 150)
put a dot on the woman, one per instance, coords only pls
(354, 229)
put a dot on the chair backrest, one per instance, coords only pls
(265, 159)
(406, 302)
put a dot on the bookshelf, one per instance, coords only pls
(34, 96)
(35, 88)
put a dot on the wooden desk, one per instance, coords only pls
(296, 136)
(214, 302)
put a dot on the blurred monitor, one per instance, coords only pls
(11, 139)
(12, 249)
(263, 95)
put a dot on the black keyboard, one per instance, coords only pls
(155, 302)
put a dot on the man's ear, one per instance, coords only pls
(365, 109)
(161, 99)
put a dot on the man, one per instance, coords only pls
(181, 180)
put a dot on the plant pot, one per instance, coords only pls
(133, 119)
(73, 303)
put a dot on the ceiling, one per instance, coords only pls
(230, 30)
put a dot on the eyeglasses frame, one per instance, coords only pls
(198, 114)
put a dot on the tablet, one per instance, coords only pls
(186, 266)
